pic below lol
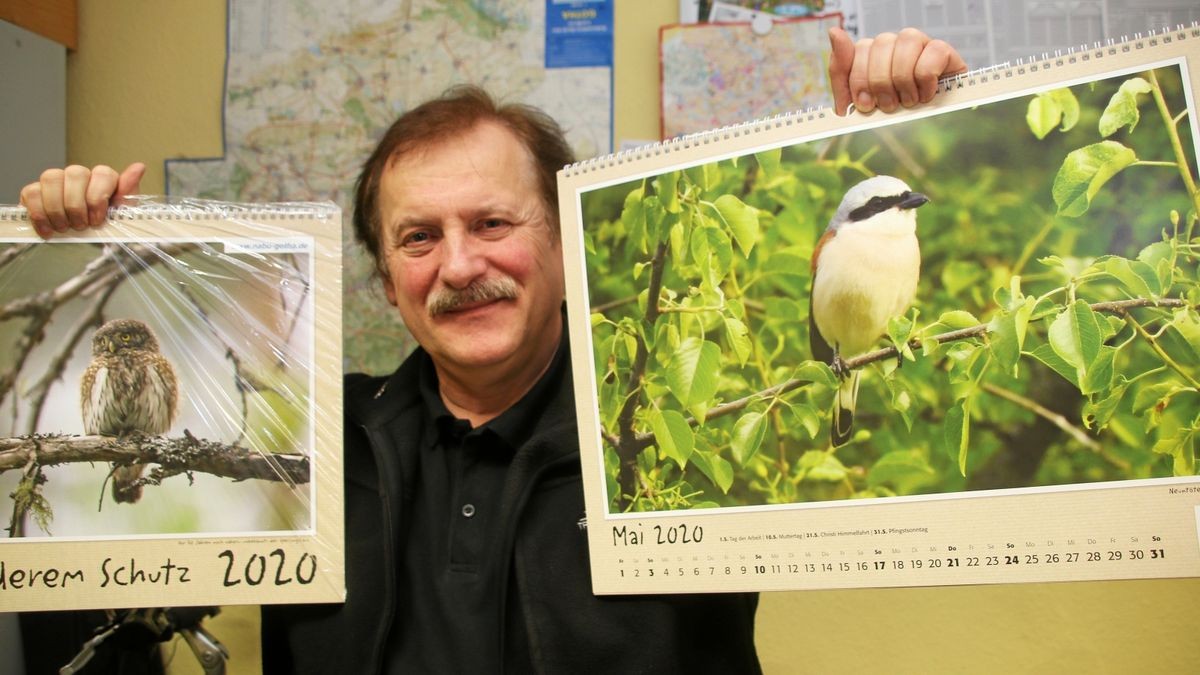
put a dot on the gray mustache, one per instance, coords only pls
(449, 299)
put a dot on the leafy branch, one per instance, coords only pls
(646, 439)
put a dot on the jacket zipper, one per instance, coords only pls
(389, 594)
(508, 545)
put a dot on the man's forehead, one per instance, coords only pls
(483, 137)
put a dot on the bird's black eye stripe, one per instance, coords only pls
(878, 205)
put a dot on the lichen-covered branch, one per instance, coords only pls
(174, 455)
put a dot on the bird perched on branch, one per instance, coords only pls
(864, 272)
(129, 387)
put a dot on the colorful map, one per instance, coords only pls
(719, 74)
(311, 84)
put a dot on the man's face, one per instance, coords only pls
(473, 264)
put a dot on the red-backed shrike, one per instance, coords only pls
(864, 272)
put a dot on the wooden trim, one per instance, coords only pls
(54, 19)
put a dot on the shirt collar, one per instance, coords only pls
(513, 426)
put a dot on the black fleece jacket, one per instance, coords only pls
(569, 630)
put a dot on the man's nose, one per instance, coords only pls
(462, 260)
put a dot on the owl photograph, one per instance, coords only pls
(128, 388)
(194, 366)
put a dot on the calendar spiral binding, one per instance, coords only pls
(183, 209)
(1087, 52)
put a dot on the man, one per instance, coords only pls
(465, 546)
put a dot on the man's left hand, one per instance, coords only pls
(889, 70)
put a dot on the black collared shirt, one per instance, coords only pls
(452, 553)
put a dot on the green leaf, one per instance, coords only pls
(1100, 375)
(742, 221)
(1181, 446)
(957, 319)
(1156, 397)
(667, 187)
(769, 160)
(1187, 323)
(823, 466)
(956, 434)
(1046, 354)
(716, 468)
(1007, 334)
(672, 434)
(1070, 107)
(1075, 336)
(706, 176)
(692, 373)
(1042, 115)
(900, 466)
(901, 329)
(1159, 256)
(612, 464)
(739, 339)
(1084, 172)
(679, 237)
(817, 373)
(748, 434)
(903, 400)
(1096, 413)
(713, 252)
(647, 459)
(1140, 279)
(806, 416)
(1122, 108)
(633, 217)
(1048, 108)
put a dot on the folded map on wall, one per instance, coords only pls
(721, 73)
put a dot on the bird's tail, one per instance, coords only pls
(125, 487)
(843, 408)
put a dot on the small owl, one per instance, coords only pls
(129, 387)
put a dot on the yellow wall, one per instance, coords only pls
(146, 85)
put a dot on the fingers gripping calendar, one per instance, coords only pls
(955, 345)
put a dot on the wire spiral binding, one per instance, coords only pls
(1005, 70)
(201, 209)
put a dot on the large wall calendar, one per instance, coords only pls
(954, 345)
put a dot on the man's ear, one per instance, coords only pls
(388, 289)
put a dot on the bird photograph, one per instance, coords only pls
(864, 272)
(1000, 295)
(153, 387)
(128, 388)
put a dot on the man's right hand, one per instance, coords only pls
(77, 197)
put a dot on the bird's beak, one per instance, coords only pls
(913, 200)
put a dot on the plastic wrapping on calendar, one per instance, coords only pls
(171, 431)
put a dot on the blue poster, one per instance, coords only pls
(579, 33)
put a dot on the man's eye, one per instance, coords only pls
(494, 226)
(418, 238)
